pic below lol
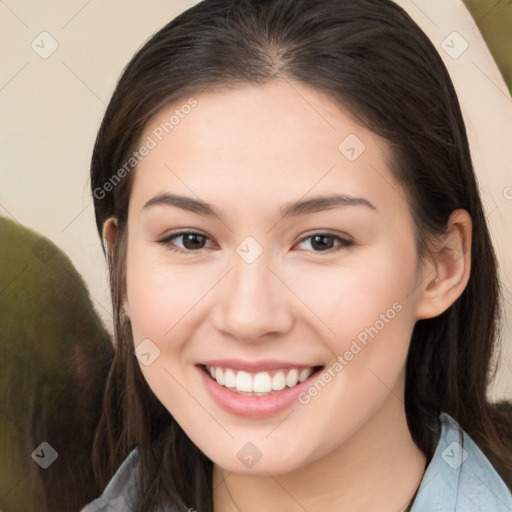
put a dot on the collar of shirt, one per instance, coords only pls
(459, 478)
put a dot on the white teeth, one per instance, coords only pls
(292, 378)
(260, 383)
(229, 378)
(304, 374)
(243, 381)
(279, 381)
(219, 376)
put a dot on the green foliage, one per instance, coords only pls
(55, 358)
(494, 20)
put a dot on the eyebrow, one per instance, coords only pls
(292, 209)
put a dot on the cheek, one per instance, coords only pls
(159, 297)
(161, 304)
(349, 298)
(368, 316)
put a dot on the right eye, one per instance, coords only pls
(192, 241)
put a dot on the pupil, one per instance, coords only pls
(322, 246)
(195, 244)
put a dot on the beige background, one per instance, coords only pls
(52, 108)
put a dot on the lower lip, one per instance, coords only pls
(253, 406)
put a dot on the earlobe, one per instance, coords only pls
(124, 309)
(448, 273)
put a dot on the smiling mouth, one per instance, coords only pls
(262, 383)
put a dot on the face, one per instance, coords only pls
(302, 312)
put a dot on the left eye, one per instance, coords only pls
(321, 240)
(193, 242)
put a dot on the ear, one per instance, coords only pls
(109, 232)
(447, 275)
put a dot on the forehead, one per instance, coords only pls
(280, 140)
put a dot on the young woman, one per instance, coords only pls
(304, 287)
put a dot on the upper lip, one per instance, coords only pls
(255, 366)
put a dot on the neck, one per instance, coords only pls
(378, 468)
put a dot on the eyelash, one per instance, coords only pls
(344, 243)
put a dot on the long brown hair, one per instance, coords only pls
(370, 57)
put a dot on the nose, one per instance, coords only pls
(255, 303)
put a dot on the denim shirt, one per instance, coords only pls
(459, 478)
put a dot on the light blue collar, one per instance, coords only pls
(459, 477)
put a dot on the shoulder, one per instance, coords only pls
(460, 477)
(121, 492)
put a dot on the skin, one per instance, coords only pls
(248, 151)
